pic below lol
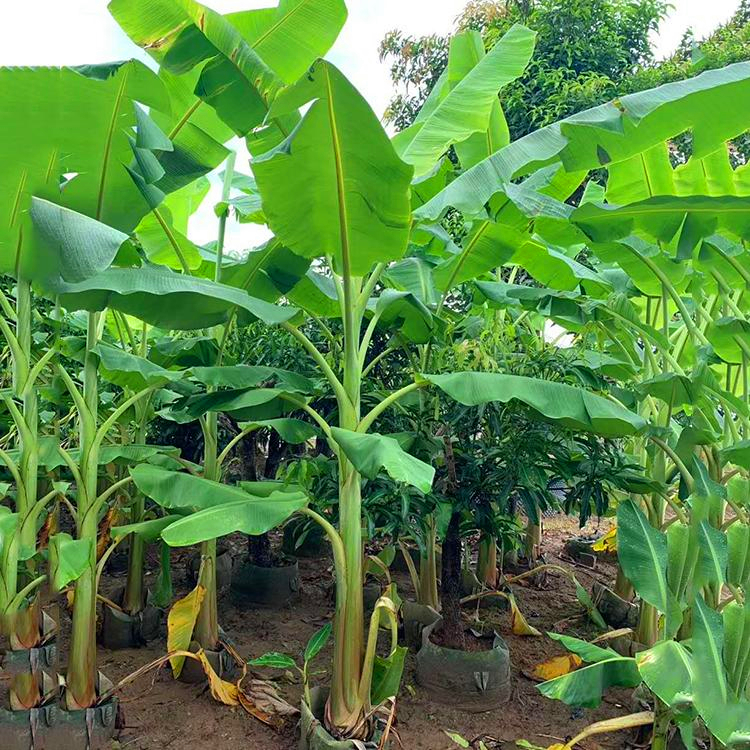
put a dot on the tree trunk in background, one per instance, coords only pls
(487, 561)
(533, 543)
(259, 551)
(277, 450)
(450, 594)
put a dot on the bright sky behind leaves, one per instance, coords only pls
(73, 32)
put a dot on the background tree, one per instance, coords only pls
(584, 51)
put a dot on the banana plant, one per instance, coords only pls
(56, 239)
(51, 140)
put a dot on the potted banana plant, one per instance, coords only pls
(62, 245)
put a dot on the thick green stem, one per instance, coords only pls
(207, 624)
(662, 722)
(134, 599)
(345, 705)
(349, 618)
(28, 465)
(81, 677)
(533, 541)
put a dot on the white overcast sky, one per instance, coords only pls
(72, 32)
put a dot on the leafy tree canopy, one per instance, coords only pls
(587, 52)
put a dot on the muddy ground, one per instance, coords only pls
(161, 714)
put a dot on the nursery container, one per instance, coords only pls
(473, 681)
(223, 568)
(28, 729)
(314, 736)
(85, 728)
(416, 618)
(616, 611)
(221, 660)
(267, 587)
(121, 630)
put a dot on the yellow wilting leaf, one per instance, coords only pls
(557, 666)
(518, 623)
(181, 623)
(608, 543)
(104, 535)
(644, 718)
(223, 691)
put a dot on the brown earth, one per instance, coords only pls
(162, 714)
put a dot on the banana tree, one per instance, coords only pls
(49, 139)
(61, 242)
(360, 222)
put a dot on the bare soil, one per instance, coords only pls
(161, 713)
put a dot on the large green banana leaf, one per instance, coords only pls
(646, 265)
(245, 57)
(589, 652)
(736, 621)
(149, 530)
(715, 104)
(251, 376)
(404, 312)
(247, 404)
(677, 390)
(467, 108)
(166, 299)
(668, 671)
(291, 36)
(730, 339)
(68, 558)
(562, 307)
(268, 272)
(413, 275)
(216, 509)
(335, 186)
(554, 402)
(650, 173)
(738, 554)
(686, 219)
(370, 453)
(466, 51)
(643, 557)
(726, 716)
(73, 246)
(122, 455)
(586, 686)
(712, 561)
(175, 211)
(74, 122)
(290, 430)
(129, 371)
(488, 245)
